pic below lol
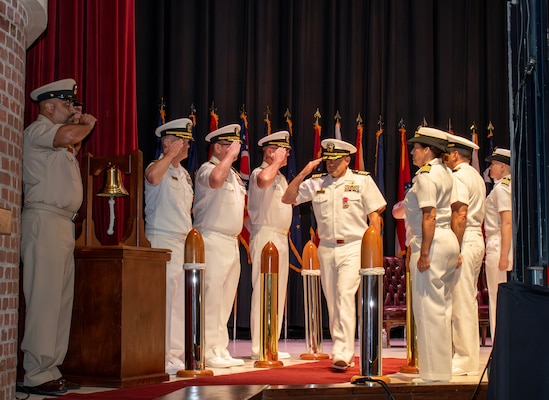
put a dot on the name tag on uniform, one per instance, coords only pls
(352, 188)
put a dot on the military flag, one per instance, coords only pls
(317, 148)
(337, 128)
(244, 167)
(267, 122)
(379, 169)
(474, 139)
(317, 153)
(295, 240)
(404, 183)
(161, 121)
(214, 124)
(359, 158)
(192, 160)
(487, 153)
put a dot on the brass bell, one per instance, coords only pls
(114, 187)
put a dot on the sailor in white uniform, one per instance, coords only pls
(218, 215)
(467, 218)
(270, 220)
(498, 228)
(344, 202)
(168, 203)
(434, 254)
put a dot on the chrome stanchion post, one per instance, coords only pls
(194, 267)
(371, 313)
(312, 304)
(268, 333)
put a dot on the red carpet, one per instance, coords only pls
(318, 372)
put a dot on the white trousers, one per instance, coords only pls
(432, 304)
(175, 293)
(339, 274)
(494, 276)
(465, 333)
(221, 283)
(258, 240)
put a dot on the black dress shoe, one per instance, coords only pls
(68, 384)
(51, 388)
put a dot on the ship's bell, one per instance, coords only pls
(114, 187)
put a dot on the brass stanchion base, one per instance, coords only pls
(268, 364)
(314, 356)
(409, 369)
(194, 373)
(364, 379)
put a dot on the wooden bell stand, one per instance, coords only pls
(118, 322)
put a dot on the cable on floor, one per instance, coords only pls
(365, 379)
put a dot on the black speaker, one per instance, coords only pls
(520, 356)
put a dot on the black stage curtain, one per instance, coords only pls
(520, 347)
(442, 61)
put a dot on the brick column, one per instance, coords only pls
(13, 18)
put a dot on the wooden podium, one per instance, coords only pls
(118, 322)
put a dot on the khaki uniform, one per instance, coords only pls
(432, 289)
(218, 216)
(270, 219)
(498, 200)
(167, 223)
(471, 191)
(52, 187)
(341, 207)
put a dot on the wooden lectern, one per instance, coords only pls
(118, 322)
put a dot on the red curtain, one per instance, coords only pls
(94, 43)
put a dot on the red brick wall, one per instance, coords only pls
(13, 19)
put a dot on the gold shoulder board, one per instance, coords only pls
(425, 169)
(506, 181)
(315, 176)
(356, 171)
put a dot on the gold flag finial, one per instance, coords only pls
(317, 115)
(490, 127)
(401, 124)
(267, 113)
(337, 116)
(287, 113)
(473, 127)
(358, 119)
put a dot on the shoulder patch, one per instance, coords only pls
(456, 169)
(506, 181)
(425, 169)
(315, 176)
(356, 171)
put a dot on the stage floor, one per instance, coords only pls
(242, 349)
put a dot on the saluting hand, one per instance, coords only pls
(174, 148)
(234, 150)
(87, 119)
(280, 155)
(311, 166)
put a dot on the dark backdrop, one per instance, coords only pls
(444, 61)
